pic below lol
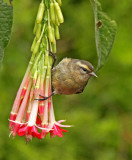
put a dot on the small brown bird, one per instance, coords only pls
(70, 76)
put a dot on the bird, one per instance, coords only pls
(70, 76)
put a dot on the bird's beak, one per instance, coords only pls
(93, 74)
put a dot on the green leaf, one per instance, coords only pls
(105, 31)
(6, 18)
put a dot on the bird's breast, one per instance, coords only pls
(65, 83)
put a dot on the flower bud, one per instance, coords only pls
(52, 12)
(33, 44)
(57, 34)
(56, 20)
(51, 34)
(36, 48)
(38, 31)
(58, 12)
(35, 28)
(40, 13)
(59, 2)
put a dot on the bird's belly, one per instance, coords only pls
(67, 87)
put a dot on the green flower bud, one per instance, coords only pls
(38, 31)
(57, 34)
(56, 20)
(33, 44)
(35, 28)
(52, 13)
(58, 12)
(36, 48)
(59, 2)
(51, 34)
(40, 13)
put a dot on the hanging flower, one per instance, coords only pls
(30, 117)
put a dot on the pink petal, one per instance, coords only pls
(63, 130)
(23, 130)
(35, 132)
(60, 121)
(42, 128)
(43, 133)
(57, 131)
(61, 125)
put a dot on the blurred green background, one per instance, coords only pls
(102, 114)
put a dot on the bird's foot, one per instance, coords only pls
(53, 56)
(44, 98)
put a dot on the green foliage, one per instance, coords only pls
(102, 114)
(105, 31)
(6, 18)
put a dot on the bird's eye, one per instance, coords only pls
(84, 69)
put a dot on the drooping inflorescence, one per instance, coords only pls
(30, 117)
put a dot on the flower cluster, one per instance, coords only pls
(30, 117)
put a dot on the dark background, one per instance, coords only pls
(102, 114)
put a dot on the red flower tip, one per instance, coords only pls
(29, 131)
(57, 131)
(43, 131)
(15, 130)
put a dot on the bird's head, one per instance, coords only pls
(83, 69)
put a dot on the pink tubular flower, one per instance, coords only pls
(55, 126)
(18, 98)
(32, 118)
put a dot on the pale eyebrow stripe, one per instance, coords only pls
(83, 65)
